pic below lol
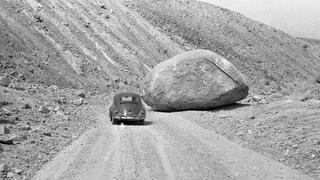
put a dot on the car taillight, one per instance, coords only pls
(142, 113)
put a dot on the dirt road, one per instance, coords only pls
(168, 146)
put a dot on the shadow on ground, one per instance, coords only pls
(226, 108)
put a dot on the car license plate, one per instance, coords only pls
(129, 118)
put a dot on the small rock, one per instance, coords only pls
(3, 168)
(11, 175)
(60, 113)
(102, 6)
(79, 102)
(65, 23)
(282, 159)
(43, 110)
(16, 87)
(276, 96)
(4, 130)
(81, 94)
(87, 25)
(256, 98)
(47, 134)
(53, 87)
(5, 81)
(26, 106)
(25, 128)
(56, 109)
(61, 100)
(38, 18)
(17, 171)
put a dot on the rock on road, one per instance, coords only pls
(168, 146)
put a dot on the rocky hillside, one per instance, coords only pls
(105, 44)
(78, 43)
(313, 45)
(271, 59)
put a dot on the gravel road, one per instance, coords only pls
(168, 146)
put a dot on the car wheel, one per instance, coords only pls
(115, 122)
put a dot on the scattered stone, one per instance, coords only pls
(25, 128)
(56, 109)
(197, 79)
(65, 23)
(17, 171)
(4, 130)
(6, 111)
(79, 102)
(102, 6)
(61, 100)
(3, 168)
(47, 134)
(282, 159)
(5, 81)
(38, 18)
(257, 98)
(11, 175)
(26, 106)
(16, 87)
(43, 110)
(53, 87)
(276, 96)
(87, 25)
(81, 94)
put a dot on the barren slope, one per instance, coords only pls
(78, 43)
(271, 59)
(104, 44)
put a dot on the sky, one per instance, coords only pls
(300, 18)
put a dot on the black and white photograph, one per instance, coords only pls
(159, 90)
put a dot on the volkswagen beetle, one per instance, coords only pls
(127, 107)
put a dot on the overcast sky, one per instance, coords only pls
(297, 17)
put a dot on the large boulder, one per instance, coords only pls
(193, 80)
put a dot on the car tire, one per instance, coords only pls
(115, 122)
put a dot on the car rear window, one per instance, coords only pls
(128, 99)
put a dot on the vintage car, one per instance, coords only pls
(127, 107)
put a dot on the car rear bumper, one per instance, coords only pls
(128, 119)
